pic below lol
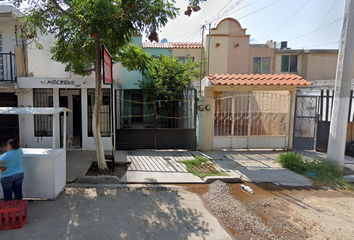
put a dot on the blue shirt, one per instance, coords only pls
(12, 160)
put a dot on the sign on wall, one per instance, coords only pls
(107, 67)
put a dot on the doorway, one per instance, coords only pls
(71, 99)
(9, 127)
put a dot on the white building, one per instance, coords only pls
(28, 77)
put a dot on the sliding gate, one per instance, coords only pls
(156, 119)
(251, 120)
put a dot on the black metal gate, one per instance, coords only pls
(305, 122)
(9, 123)
(156, 119)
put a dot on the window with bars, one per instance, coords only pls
(261, 65)
(105, 124)
(43, 124)
(185, 59)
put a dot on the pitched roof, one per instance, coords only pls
(186, 45)
(258, 79)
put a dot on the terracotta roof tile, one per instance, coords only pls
(186, 44)
(258, 79)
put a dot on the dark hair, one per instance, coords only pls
(14, 143)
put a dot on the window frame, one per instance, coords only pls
(289, 66)
(261, 65)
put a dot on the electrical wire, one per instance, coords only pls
(321, 23)
(324, 44)
(219, 12)
(317, 29)
(269, 5)
(226, 11)
(288, 19)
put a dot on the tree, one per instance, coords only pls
(164, 72)
(164, 78)
(80, 28)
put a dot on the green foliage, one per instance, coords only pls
(77, 24)
(199, 162)
(326, 172)
(164, 72)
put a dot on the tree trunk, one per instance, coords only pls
(97, 110)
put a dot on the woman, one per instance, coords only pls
(12, 170)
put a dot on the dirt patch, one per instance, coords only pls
(234, 214)
(279, 212)
(119, 170)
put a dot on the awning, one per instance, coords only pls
(32, 110)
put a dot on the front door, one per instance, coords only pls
(8, 123)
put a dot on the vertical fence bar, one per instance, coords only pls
(327, 105)
(350, 105)
(249, 118)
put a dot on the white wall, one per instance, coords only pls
(40, 63)
(8, 37)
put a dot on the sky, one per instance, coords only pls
(295, 21)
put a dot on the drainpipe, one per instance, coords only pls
(201, 63)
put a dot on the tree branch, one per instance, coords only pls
(67, 13)
(84, 52)
(89, 70)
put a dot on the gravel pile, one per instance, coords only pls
(233, 213)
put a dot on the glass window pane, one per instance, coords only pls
(257, 65)
(285, 63)
(293, 63)
(265, 65)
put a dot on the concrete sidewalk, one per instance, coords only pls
(77, 164)
(256, 166)
(251, 166)
(164, 167)
(108, 213)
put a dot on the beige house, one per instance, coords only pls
(231, 52)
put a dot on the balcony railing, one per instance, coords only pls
(8, 68)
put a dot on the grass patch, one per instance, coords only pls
(202, 167)
(326, 172)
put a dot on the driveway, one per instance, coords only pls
(111, 213)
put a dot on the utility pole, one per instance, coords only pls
(340, 108)
(209, 49)
(201, 63)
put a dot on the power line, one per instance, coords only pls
(321, 22)
(288, 19)
(185, 34)
(324, 44)
(317, 29)
(245, 6)
(229, 9)
(259, 10)
(220, 11)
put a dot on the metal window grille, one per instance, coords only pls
(43, 125)
(185, 59)
(105, 123)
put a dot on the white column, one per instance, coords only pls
(55, 123)
(339, 120)
(64, 132)
(56, 127)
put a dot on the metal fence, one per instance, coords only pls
(157, 108)
(251, 113)
(8, 67)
